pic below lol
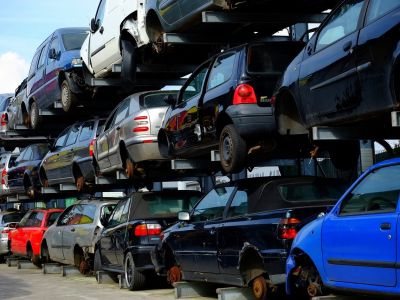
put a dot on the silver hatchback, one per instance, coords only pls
(71, 239)
(129, 138)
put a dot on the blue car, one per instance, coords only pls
(353, 248)
(55, 74)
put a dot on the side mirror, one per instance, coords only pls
(52, 53)
(170, 100)
(93, 25)
(183, 216)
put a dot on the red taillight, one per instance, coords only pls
(139, 118)
(287, 228)
(142, 124)
(141, 129)
(4, 120)
(244, 94)
(91, 147)
(5, 231)
(147, 229)
(3, 175)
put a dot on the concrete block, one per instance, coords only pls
(193, 289)
(12, 262)
(235, 293)
(69, 271)
(26, 264)
(103, 277)
(122, 282)
(51, 269)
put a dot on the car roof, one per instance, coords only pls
(392, 161)
(97, 202)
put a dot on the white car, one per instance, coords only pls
(115, 32)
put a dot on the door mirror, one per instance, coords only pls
(52, 53)
(183, 216)
(170, 100)
(93, 25)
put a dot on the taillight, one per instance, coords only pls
(244, 94)
(4, 120)
(91, 147)
(273, 100)
(3, 176)
(147, 229)
(141, 124)
(287, 228)
(5, 231)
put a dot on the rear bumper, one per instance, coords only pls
(144, 148)
(252, 121)
(142, 257)
(3, 245)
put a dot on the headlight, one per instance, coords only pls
(76, 61)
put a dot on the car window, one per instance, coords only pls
(222, 70)
(60, 142)
(73, 41)
(155, 99)
(115, 218)
(100, 12)
(100, 127)
(42, 57)
(87, 213)
(34, 219)
(311, 191)
(66, 216)
(54, 45)
(239, 205)
(15, 217)
(28, 154)
(34, 64)
(195, 84)
(11, 161)
(73, 135)
(109, 121)
(212, 206)
(52, 218)
(87, 131)
(121, 112)
(341, 23)
(21, 156)
(377, 192)
(107, 210)
(378, 8)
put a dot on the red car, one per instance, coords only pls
(26, 239)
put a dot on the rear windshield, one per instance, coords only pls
(268, 59)
(12, 218)
(309, 192)
(155, 99)
(73, 41)
(163, 205)
(4, 103)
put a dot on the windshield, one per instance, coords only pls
(73, 41)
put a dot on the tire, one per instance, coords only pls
(80, 183)
(344, 154)
(260, 288)
(30, 191)
(97, 266)
(45, 255)
(34, 118)
(232, 149)
(128, 72)
(68, 98)
(129, 168)
(134, 279)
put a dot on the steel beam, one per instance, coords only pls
(181, 38)
(353, 133)
(189, 164)
(215, 156)
(49, 190)
(396, 118)
(100, 180)
(67, 187)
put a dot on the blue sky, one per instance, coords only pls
(24, 24)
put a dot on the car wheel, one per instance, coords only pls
(68, 98)
(34, 118)
(344, 155)
(260, 289)
(31, 192)
(174, 274)
(97, 261)
(81, 263)
(45, 256)
(129, 168)
(232, 149)
(134, 279)
(307, 283)
(80, 183)
(128, 72)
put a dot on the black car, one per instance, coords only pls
(218, 106)
(347, 75)
(70, 158)
(23, 176)
(133, 230)
(240, 233)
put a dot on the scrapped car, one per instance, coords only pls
(71, 240)
(7, 160)
(354, 247)
(133, 230)
(70, 158)
(8, 221)
(55, 73)
(129, 139)
(23, 176)
(16, 111)
(349, 63)
(218, 106)
(26, 239)
(4, 102)
(240, 232)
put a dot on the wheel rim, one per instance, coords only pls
(64, 96)
(129, 168)
(174, 275)
(227, 148)
(128, 271)
(31, 192)
(80, 182)
(260, 288)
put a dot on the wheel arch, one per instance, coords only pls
(153, 24)
(251, 264)
(223, 119)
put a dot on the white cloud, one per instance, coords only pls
(13, 69)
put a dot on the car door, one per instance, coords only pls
(52, 163)
(196, 247)
(102, 148)
(22, 164)
(54, 234)
(18, 236)
(104, 42)
(40, 94)
(52, 71)
(68, 152)
(359, 238)
(183, 125)
(219, 94)
(328, 80)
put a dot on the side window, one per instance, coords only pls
(222, 70)
(106, 211)
(34, 64)
(195, 85)
(28, 154)
(35, 219)
(73, 135)
(378, 8)
(100, 12)
(375, 193)
(115, 218)
(52, 218)
(239, 204)
(87, 131)
(125, 212)
(21, 156)
(66, 216)
(42, 57)
(212, 206)
(54, 45)
(62, 138)
(341, 23)
(87, 214)
(121, 112)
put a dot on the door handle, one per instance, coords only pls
(347, 46)
(101, 29)
(386, 226)
(73, 229)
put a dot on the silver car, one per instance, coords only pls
(4, 102)
(7, 160)
(71, 239)
(16, 110)
(129, 138)
(8, 219)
